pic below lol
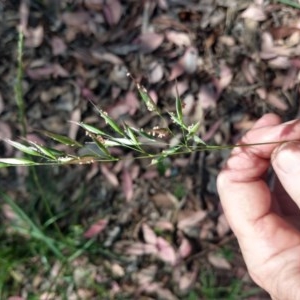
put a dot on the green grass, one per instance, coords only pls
(290, 3)
(31, 246)
(211, 289)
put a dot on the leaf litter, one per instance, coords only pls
(233, 61)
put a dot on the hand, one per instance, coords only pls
(266, 223)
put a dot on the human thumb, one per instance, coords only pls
(286, 164)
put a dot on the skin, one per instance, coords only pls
(265, 222)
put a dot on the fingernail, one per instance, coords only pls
(287, 157)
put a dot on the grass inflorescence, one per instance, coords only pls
(153, 143)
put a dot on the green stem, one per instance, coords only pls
(18, 88)
(45, 201)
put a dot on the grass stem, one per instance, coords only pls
(18, 88)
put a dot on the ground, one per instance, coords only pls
(130, 229)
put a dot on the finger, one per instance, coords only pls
(254, 160)
(244, 195)
(286, 206)
(267, 120)
(286, 164)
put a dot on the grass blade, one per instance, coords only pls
(14, 162)
(101, 146)
(34, 230)
(23, 148)
(60, 138)
(108, 120)
(131, 135)
(150, 104)
(91, 129)
(290, 3)
(44, 151)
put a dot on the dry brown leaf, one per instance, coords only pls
(53, 92)
(6, 133)
(148, 234)
(76, 19)
(117, 270)
(207, 96)
(179, 88)
(165, 251)
(187, 281)
(146, 275)
(262, 93)
(218, 261)
(222, 227)
(163, 4)
(1, 103)
(58, 46)
(267, 46)
(141, 249)
(254, 12)
(212, 130)
(48, 295)
(75, 118)
(166, 294)
(164, 226)
(156, 72)
(53, 70)
(82, 293)
(176, 71)
(150, 41)
(163, 200)
(95, 5)
(178, 38)
(127, 185)
(9, 214)
(293, 40)
(93, 171)
(110, 176)
(96, 228)
(118, 110)
(249, 70)
(295, 62)
(119, 76)
(106, 57)
(282, 32)
(130, 104)
(150, 174)
(185, 249)
(135, 171)
(189, 61)
(34, 36)
(280, 62)
(225, 77)
(24, 15)
(290, 79)
(112, 11)
(276, 101)
(227, 40)
(188, 104)
(207, 229)
(245, 124)
(192, 220)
